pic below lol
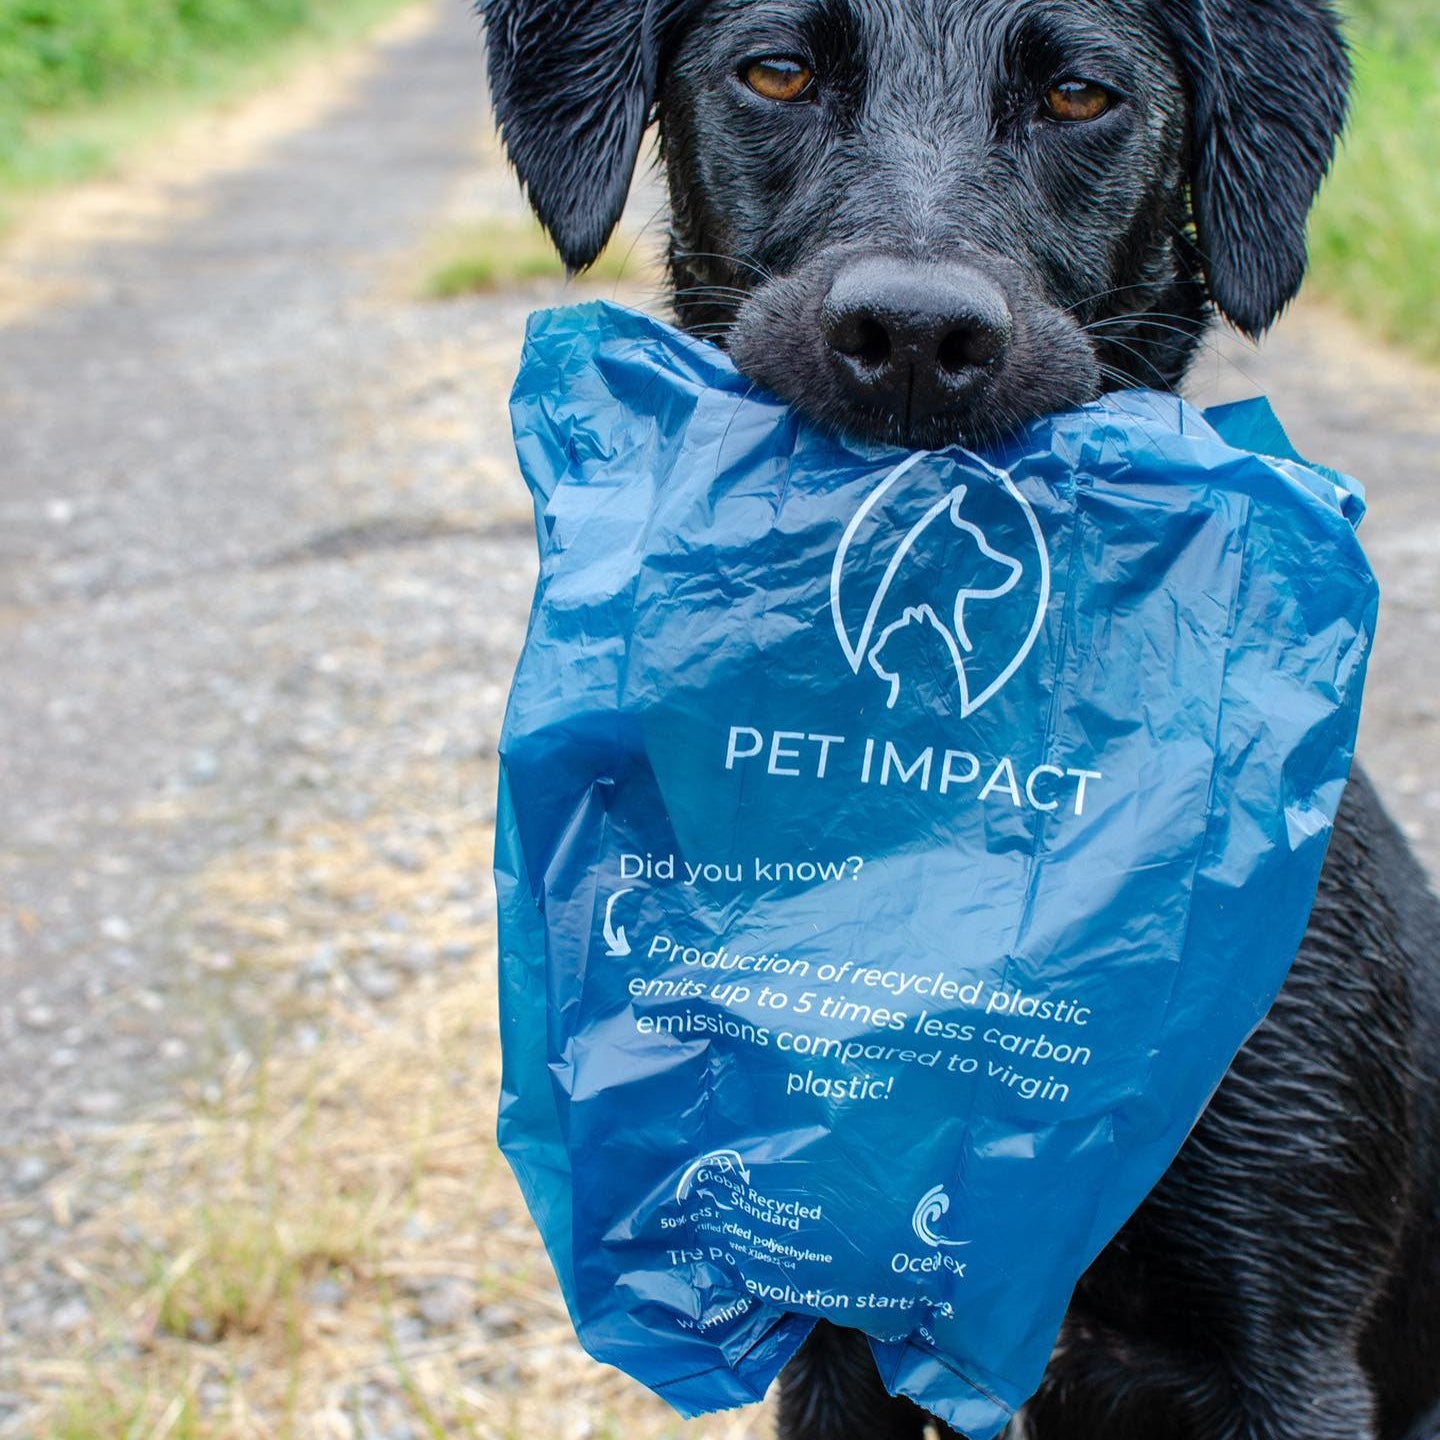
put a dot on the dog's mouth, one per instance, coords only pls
(920, 354)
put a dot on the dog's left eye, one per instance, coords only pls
(1076, 100)
(779, 77)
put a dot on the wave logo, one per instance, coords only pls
(933, 1207)
(940, 586)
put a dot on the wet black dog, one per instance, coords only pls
(930, 219)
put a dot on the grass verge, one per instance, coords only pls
(83, 85)
(330, 1246)
(501, 253)
(1375, 238)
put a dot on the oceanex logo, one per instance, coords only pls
(933, 1207)
(939, 585)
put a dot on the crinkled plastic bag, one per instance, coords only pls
(894, 850)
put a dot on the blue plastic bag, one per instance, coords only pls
(894, 850)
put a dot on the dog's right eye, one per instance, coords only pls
(1076, 101)
(779, 77)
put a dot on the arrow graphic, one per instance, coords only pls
(721, 1161)
(615, 941)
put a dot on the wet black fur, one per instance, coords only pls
(1283, 1280)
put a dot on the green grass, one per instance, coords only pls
(125, 1413)
(82, 82)
(1375, 239)
(501, 253)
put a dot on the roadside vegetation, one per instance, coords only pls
(1375, 240)
(83, 82)
(500, 253)
(324, 1243)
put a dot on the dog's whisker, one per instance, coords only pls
(734, 415)
(1144, 359)
(1187, 324)
(1120, 378)
(1207, 341)
(1140, 321)
(762, 271)
(641, 234)
(1080, 304)
(1202, 340)
(719, 324)
(1100, 331)
(725, 292)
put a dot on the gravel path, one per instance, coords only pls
(1363, 409)
(255, 519)
(264, 567)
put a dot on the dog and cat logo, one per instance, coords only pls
(939, 587)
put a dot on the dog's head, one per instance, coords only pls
(931, 219)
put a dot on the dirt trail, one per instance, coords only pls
(242, 504)
(1350, 403)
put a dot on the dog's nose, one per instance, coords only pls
(913, 339)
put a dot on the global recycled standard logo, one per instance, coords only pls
(940, 584)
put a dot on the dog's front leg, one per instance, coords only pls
(1125, 1391)
(1253, 1295)
(831, 1390)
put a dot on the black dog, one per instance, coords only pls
(928, 220)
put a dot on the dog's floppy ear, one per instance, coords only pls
(1268, 81)
(573, 82)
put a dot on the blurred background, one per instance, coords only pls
(265, 564)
